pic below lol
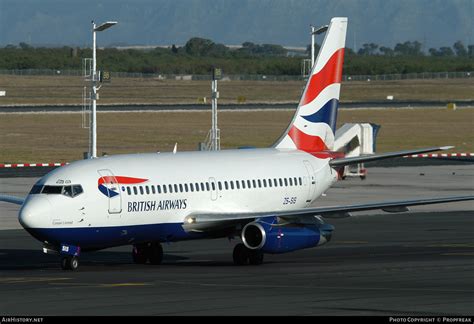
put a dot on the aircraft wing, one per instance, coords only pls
(12, 199)
(367, 158)
(219, 221)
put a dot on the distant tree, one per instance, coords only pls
(433, 52)
(460, 49)
(368, 49)
(387, 51)
(470, 50)
(446, 51)
(174, 49)
(408, 49)
(198, 46)
(24, 46)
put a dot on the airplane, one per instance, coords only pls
(264, 196)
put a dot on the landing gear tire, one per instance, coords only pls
(155, 253)
(140, 253)
(241, 254)
(255, 257)
(70, 263)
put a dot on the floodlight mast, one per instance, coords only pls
(94, 80)
(316, 31)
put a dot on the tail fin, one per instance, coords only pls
(314, 123)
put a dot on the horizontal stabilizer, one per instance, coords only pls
(375, 157)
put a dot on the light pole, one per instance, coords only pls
(316, 31)
(94, 80)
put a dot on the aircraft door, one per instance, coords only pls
(213, 188)
(311, 181)
(110, 187)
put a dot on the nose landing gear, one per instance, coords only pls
(69, 257)
(70, 263)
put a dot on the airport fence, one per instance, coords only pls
(259, 77)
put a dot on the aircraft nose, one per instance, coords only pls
(35, 213)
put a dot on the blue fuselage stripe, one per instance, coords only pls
(104, 237)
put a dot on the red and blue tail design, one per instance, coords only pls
(314, 124)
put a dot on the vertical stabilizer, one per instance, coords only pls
(314, 123)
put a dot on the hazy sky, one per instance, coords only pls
(435, 23)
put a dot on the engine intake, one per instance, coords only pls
(269, 238)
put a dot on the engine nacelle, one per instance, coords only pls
(268, 238)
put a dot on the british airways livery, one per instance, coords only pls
(262, 196)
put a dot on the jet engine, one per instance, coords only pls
(275, 238)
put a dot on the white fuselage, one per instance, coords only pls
(169, 187)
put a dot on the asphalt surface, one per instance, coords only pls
(416, 263)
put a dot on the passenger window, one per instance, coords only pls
(197, 186)
(202, 186)
(264, 183)
(275, 182)
(141, 190)
(158, 189)
(181, 188)
(152, 189)
(147, 190)
(243, 184)
(301, 181)
(249, 184)
(232, 185)
(207, 186)
(295, 181)
(237, 184)
(67, 191)
(213, 186)
(270, 183)
(135, 190)
(281, 182)
(176, 188)
(286, 182)
(259, 183)
(164, 188)
(170, 188)
(219, 185)
(226, 185)
(254, 184)
(129, 191)
(290, 181)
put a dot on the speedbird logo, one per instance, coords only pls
(109, 185)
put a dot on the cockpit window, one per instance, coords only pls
(36, 189)
(76, 190)
(52, 190)
(68, 191)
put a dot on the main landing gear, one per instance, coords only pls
(147, 252)
(243, 255)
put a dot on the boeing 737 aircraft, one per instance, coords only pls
(260, 195)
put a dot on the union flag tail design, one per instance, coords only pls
(314, 123)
